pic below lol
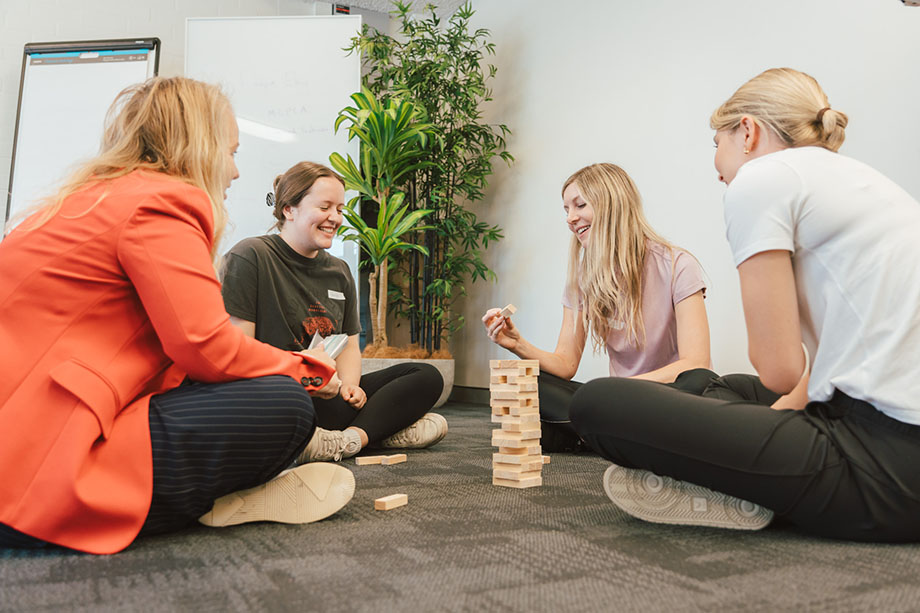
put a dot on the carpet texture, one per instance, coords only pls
(462, 544)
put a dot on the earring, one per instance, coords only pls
(747, 151)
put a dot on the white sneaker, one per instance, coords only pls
(427, 431)
(664, 500)
(330, 445)
(297, 496)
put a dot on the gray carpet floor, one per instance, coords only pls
(462, 544)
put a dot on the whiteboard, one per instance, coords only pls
(64, 93)
(287, 78)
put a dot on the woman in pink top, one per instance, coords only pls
(640, 297)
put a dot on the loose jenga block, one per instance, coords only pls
(515, 440)
(509, 310)
(525, 467)
(528, 482)
(396, 458)
(369, 459)
(514, 458)
(546, 459)
(391, 502)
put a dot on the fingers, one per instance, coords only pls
(489, 315)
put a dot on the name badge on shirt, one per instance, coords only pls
(336, 295)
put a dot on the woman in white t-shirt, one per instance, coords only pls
(640, 296)
(828, 256)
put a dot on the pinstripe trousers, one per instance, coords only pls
(209, 440)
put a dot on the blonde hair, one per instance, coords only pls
(293, 185)
(607, 274)
(175, 126)
(788, 102)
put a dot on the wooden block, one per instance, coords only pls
(369, 459)
(512, 395)
(501, 438)
(390, 502)
(518, 403)
(529, 482)
(523, 428)
(530, 418)
(529, 450)
(513, 458)
(546, 459)
(514, 475)
(526, 467)
(509, 310)
(526, 386)
(396, 458)
(518, 374)
(511, 379)
(500, 411)
(527, 433)
(531, 409)
(514, 363)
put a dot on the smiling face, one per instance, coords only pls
(579, 215)
(311, 225)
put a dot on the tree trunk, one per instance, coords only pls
(372, 301)
(382, 306)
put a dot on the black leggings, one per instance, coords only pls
(839, 468)
(556, 394)
(396, 398)
(209, 440)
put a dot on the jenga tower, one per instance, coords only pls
(515, 405)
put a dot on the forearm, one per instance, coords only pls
(348, 365)
(552, 363)
(667, 374)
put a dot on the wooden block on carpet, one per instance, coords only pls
(391, 502)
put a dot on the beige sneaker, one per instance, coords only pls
(297, 496)
(330, 446)
(664, 500)
(427, 431)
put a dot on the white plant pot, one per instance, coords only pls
(445, 367)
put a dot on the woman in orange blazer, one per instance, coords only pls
(108, 302)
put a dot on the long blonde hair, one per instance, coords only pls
(788, 102)
(607, 275)
(175, 126)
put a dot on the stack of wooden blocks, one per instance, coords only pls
(515, 405)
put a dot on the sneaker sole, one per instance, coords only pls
(301, 495)
(664, 500)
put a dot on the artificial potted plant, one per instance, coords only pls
(440, 68)
(392, 137)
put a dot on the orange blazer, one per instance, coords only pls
(113, 300)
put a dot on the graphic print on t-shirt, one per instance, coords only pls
(317, 320)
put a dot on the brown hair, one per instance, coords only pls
(293, 185)
(788, 102)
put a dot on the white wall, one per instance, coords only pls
(634, 82)
(25, 21)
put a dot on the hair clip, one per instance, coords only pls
(270, 199)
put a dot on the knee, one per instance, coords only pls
(588, 402)
(429, 379)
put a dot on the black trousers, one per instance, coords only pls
(839, 468)
(396, 398)
(209, 440)
(555, 393)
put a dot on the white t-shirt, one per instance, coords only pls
(665, 282)
(855, 242)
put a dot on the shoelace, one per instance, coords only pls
(333, 444)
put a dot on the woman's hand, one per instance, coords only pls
(353, 395)
(330, 390)
(318, 354)
(501, 330)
